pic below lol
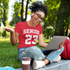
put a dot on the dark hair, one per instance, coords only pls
(36, 6)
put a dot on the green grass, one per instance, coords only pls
(9, 53)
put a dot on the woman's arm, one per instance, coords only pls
(13, 35)
(41, 42)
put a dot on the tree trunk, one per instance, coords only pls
(68, 21)
(62, 15)
(4, 18)
(22, 10)
(26, 9)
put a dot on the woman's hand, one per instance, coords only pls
(13, 35)
(60, 46)
(9, 29)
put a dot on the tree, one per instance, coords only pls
(15, 19)
(1, 10)
(22, 10)
(51, 18)
(62, 18)
(16, 15)
(5, 8)
(58, 15)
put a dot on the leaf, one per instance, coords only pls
(69, 18)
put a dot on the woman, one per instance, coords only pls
(28, 32)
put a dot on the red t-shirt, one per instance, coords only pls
(27, 35)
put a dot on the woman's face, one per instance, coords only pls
(37, 17)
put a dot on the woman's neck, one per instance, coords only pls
(30, 23)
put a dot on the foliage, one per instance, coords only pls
(62, 18)
(17, 11)
(7, 23)
(51, 18)
(1, 14)
(52, 11)
(5, 8)
(1, 30)
(58, 15)
(17, 7)
(49, 32)
(4, 34)
(17, 14)
(15, 19)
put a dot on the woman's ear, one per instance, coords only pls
(32, 13)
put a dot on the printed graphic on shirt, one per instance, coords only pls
(30, 31)
(32, 37)
(27, 35)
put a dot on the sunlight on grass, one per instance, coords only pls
(45, 40)
(4, 39)
(9, 53)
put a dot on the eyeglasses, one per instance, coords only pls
(39, 16)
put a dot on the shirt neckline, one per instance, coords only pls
(30, 26)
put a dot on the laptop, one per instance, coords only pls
(55, 42)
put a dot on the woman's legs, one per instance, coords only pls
(21, 53)
(32, 52)
(35, 53)
(53, 56)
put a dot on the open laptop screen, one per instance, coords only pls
(55, 42)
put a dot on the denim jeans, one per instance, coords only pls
(35, 53)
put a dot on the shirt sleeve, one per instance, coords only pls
(17, 27)
(40, 29)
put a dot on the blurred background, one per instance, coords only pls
(56, 23)
(12, 11)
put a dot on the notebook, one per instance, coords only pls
(55, 42)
